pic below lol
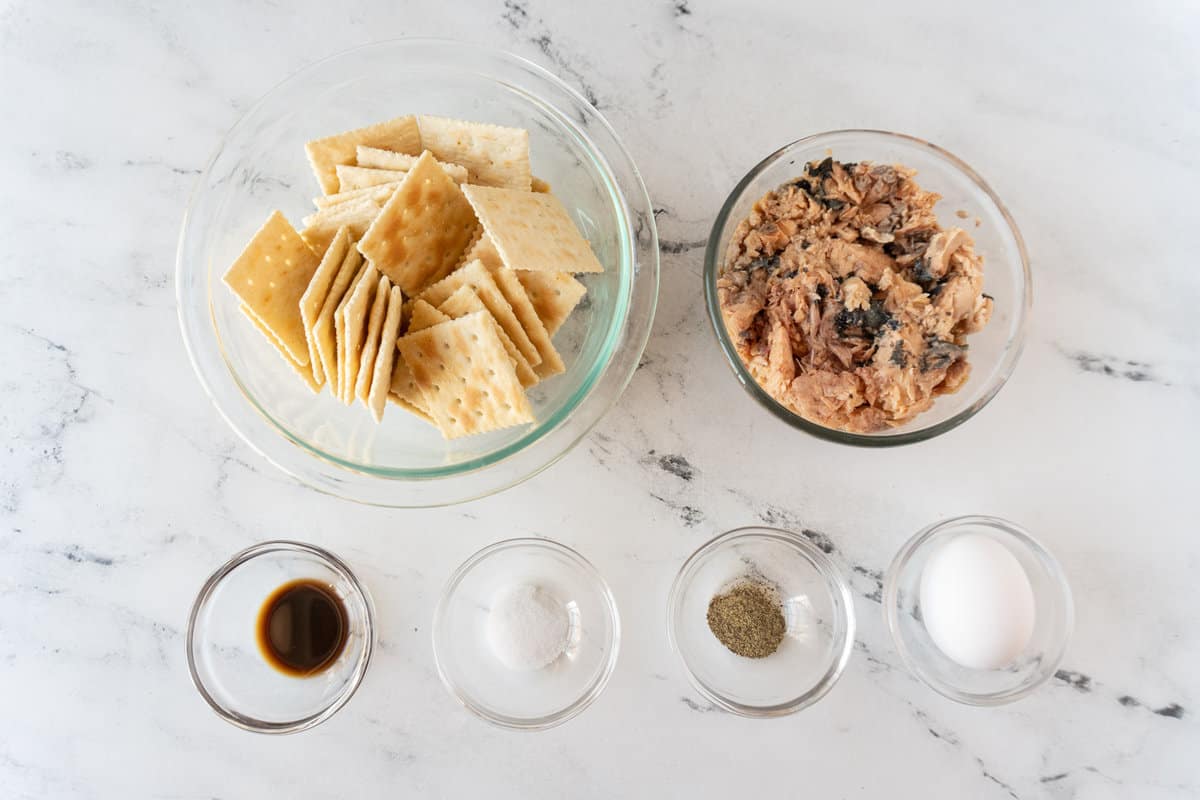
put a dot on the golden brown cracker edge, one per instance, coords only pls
(370, 348)
(270, 276)
(381, 379)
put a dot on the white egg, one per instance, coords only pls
(976, 602)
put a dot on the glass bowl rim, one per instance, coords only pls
(235, 561)
(713, 263)
(593, 690)
(1012, 530)
(601, 387)
(835, 583)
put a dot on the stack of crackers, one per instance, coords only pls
(433, 274)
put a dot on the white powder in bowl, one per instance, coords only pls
(527, 627)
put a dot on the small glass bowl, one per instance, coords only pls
(993, 351)
(223, 654)
(817, 606)
(261, 166)
(536, 699)
(1054, 620)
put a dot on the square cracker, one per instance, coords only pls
(354, 328)
(532, 230)
(424, 315)
(270, 277)
(314, 296)
(493, 155)
(386, 159)
(381, 378)
(421, 232)
(465, 301)
(467, 379)
(323, 329)
(554, 296)
(478, 278)
(351, 177)
(514, 293)
(370, 348)
(301, 370)
(400, 134)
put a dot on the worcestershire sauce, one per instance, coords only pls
(302, 628)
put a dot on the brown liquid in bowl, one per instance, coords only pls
(302, 628)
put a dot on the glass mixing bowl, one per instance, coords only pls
(223, 654)
(1054, 615)
(518, 699)
(261, 166)
(993, 351)
(817, 608)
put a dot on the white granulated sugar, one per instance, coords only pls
(527, 627)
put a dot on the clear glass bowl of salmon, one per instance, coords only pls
(861, 302)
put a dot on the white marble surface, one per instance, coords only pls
(122, 488)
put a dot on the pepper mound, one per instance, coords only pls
(748, 619)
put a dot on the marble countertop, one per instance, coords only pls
(122, 488)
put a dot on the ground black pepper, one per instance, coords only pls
(748, 619)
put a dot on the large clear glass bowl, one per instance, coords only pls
(993, 351)
(261, 166)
